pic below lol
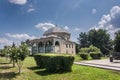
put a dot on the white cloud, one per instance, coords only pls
(20, 2)
(30, 10)
(4, 41)
(111, 21)
(94, 11)
(44, 26)
(20, 36)
(66, 28)
(77, 29)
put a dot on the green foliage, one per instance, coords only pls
(83, 39)
(99, 38)
(85, 50)
(30, 72)
(117, 42)
(94, 49)
(54, 62)
(84, 55)
(23, 52)
(95, 55)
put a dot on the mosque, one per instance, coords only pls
(54, 40)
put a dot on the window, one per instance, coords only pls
(69, 46)
(57, 43)
(66, 45)
(72, 45)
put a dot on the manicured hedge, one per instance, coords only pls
(95, 55)
(54, 62)
(84, 55)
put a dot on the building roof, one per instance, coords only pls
(55, 30)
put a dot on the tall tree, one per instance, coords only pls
(14, 51)
(117, 41)
(101, 39)
(83, 39)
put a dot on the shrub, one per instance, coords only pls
(95, 55)
(94, 49)
(84, 56)
(54, 62)
(85, 50)
(41, 60)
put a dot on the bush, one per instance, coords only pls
(54, 62)
(94, 49)
(84, 56)
(85, 50)
(95, 55)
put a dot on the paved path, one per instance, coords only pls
(104, 63)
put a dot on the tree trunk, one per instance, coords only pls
(13, 63)
(19, 63)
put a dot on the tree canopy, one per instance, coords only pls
(117, 41)
(99, 38)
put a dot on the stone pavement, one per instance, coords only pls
(104, 63)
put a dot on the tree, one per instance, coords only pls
(14, 51)
(77, 48)
(83, 39)
(117, 41)
(21, 55)
(101, 39)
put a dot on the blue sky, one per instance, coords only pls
(22, 19)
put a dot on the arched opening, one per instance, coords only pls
(48, 47)
(40, 47)
(57, 43)
(57, 47)
(34, 48)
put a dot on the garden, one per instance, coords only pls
(30, 71)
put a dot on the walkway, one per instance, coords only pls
(104, 63)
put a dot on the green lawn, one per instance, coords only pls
(31, 72)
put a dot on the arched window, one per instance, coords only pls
(57, 43)
(48, 43)
(48, 47)
(40, 44)
(34, 44)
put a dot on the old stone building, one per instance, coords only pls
(54, 40)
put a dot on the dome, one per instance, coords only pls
(55, 30)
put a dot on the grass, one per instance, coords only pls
(31, 72)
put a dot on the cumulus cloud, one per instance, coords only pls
(20, 2)
(20, 36)
(66, 28)
(94, 11)
(44, 26)
(4, 41)
(111, 21)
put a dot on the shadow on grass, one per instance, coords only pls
(5, 67)
(4, 63)
(8, 75)
(34, 68)
(43, 72)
